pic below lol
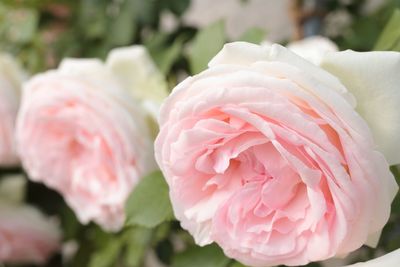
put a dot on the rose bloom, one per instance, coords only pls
(26, 235)
(80, 132)
(265, 155)
(11, 78)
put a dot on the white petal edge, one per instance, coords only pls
(391, 259)
(77, 66)
(374, 79)
(373, 239)
(313, 48)
(245, 54)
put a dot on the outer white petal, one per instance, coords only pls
(374, 79)
(313, 48)
(240, 53)
(134, 67)
(391, 259)
(91, 70)
(373, 239)
(245, 54)
(75, 66)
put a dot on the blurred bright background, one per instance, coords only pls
(41, 32)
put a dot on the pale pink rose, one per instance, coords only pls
(265, 155)
(26, 235)
(11, 78)
(81, 133)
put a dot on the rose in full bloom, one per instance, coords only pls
(26, 235)
(265, 154)
(11, 77)
(80, 132)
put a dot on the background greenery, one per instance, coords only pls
(42, 32)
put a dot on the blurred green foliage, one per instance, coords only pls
(205, 45)
(365, 28)
(41, 33)
(390, 37)
(149, 204)
(210, 255)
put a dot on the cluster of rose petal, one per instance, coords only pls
(277, 158)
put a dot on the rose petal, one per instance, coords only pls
(374, 79)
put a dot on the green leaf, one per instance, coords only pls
(149, 204)
(167, 57)
(122, 27)
(253, 35)
(96, 248)
(91, 18)
(147, 12)
(208, 256)
(237, 264)
(363, 33)
(69, 222)
(137, 240)
(396, 202)
(206, 44)
(390, 37)
(177, 6)
(82, 256)
(107, 255)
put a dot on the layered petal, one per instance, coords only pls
(373, 78)
(265, 155)
(81, 133)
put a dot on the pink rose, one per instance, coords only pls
(26, 236)
(81, 133)
(265, 155)
(10, 82)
